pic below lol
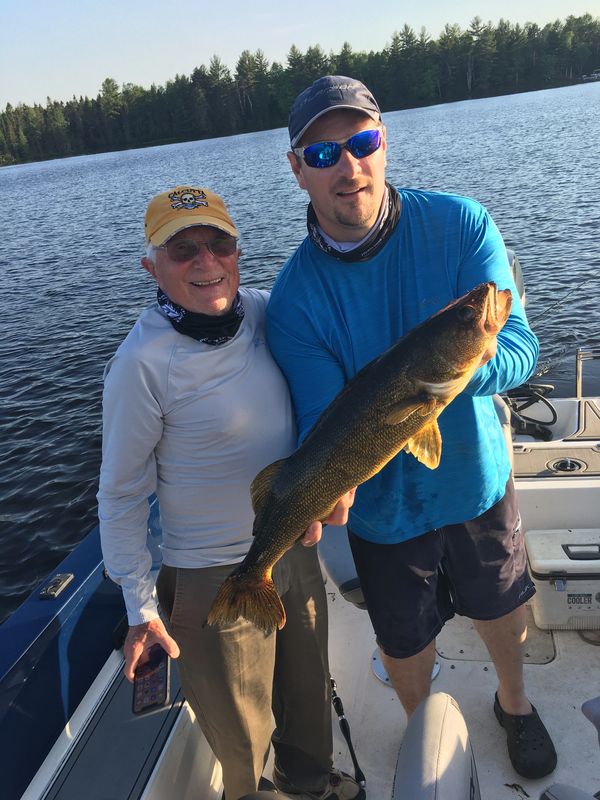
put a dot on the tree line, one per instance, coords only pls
(412, 70)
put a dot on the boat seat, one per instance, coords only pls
(258, 796)
(336, 559)
(436, 760)
(504, 416)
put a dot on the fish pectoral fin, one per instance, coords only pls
(261, 485)
(403, 410)
(428, 407)
(426, 446)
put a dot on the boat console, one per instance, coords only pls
(555, 437)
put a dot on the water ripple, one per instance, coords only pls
(72, 285)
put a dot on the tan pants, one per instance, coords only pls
(233, 676)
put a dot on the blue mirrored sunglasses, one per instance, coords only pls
(326, 154)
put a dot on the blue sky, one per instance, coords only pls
(61, 48)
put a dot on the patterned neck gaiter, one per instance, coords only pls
(208, 328)
(373, 243)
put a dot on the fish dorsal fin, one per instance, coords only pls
(426, 445)
(403, 410)
(260, 486)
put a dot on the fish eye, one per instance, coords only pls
(466, 313)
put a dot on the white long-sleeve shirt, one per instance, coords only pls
(194, 423)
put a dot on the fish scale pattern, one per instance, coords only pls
(391, 404)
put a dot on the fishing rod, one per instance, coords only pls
(345, 728)
(559, 301)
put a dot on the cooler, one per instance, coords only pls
(565, 567)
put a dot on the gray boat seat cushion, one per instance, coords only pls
(436, 760)
(336, 560)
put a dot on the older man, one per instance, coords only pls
(377, 261)
(194, 407)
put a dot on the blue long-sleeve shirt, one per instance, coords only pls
(327, 318)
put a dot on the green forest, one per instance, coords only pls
(412, 70)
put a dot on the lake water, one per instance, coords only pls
(71, 285)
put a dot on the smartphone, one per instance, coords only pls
(151, 681)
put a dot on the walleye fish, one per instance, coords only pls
(392, 404)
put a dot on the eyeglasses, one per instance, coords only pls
(325, 154)
(186, 249)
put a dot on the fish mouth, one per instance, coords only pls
(496, 309)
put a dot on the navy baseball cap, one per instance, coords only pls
(326, 94)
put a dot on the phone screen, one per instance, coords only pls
(151, 681)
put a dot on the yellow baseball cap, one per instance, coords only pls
(182, 207)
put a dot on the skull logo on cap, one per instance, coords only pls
(188, 198)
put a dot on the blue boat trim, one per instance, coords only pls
(43, 676)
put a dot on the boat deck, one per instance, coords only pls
(562, 668)
(559, 673)
(165, 754)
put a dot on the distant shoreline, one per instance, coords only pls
(160, 143)
(412, 71)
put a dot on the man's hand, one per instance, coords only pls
(140, 639)
(339, 516)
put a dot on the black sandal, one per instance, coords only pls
(530, 747)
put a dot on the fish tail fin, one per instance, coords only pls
(251, 597)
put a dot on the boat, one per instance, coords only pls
(67, 729)
(556, 466)
(593, 76)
